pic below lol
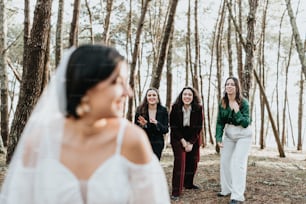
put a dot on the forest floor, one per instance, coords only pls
(270, 179)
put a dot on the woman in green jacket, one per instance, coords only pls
(234, 137)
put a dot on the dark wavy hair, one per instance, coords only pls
(143, 107)
(238, 97)
(88, 65)
(196, 102)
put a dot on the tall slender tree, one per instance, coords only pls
(229, 43)
(105, 34)
(250, 47)
(156, 74)
(74, 28)
(32, 77)
(261, 62)
(135, 55)
(197, 48)
(297, 38)
(59, 32)
(3, 77)
(219, 51)
(92, 39)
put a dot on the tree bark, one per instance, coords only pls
(169, 71)
(300, 114)
(105, 34)
(59, 32)
(74, 29)
(239, 45)
(3, 78)
(261, 59)
(32, 78)
(197, 49)
(279, 145)
(163, 50)
(92, 39)
(297, 38)
(229, 44)
(219, 52)
(135, 55)
(250, 46)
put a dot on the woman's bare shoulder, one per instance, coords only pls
(136, 146)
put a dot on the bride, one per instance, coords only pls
(77, 147)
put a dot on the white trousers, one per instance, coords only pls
(233, 165)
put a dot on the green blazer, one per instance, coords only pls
(228, 116)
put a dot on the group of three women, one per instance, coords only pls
(77, 148)
(186, 118)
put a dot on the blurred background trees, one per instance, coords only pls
(169, 44)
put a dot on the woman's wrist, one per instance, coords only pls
(184, 142)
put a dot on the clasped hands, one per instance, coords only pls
(143, 122)
(187, 145)
(234, 106)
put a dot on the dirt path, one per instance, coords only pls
(270, 179)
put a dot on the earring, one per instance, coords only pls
(79, 111)
(83, 107)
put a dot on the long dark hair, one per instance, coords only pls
(196, 102)
(238, 97)
(143, 107)
(88, 65)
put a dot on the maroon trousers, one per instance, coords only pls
(185, 166)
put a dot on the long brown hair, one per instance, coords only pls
(143, 107)
(238, 97)
(196, 102)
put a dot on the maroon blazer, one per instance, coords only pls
(191, 133)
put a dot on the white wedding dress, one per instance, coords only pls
(116, 180)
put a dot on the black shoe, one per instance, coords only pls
(193, 187)
(219, 194)
(175, 198)
(234, 201)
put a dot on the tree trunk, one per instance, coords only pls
(296, 34)
(74, 29)
(156, 77)
(26, 33)
(283, 139)
(239, 45)
(248, 67)
(169, 71)
(92, 39)
(285, 102)
(277, 78)
(128, 43)
(197, 49)
(300, 114)
(262, 68)
(188, 47)
(219, 52)
(187, 62)
(279, 145)
(105, 34)
(32, 78)
(59, 33)
(229, 44)
(135, 56)
(3, 78)
(212, 49)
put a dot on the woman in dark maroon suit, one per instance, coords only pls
(186, 119)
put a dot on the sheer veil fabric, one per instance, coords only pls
(40, 138)
(36, 163)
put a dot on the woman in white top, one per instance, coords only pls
(76, 147)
